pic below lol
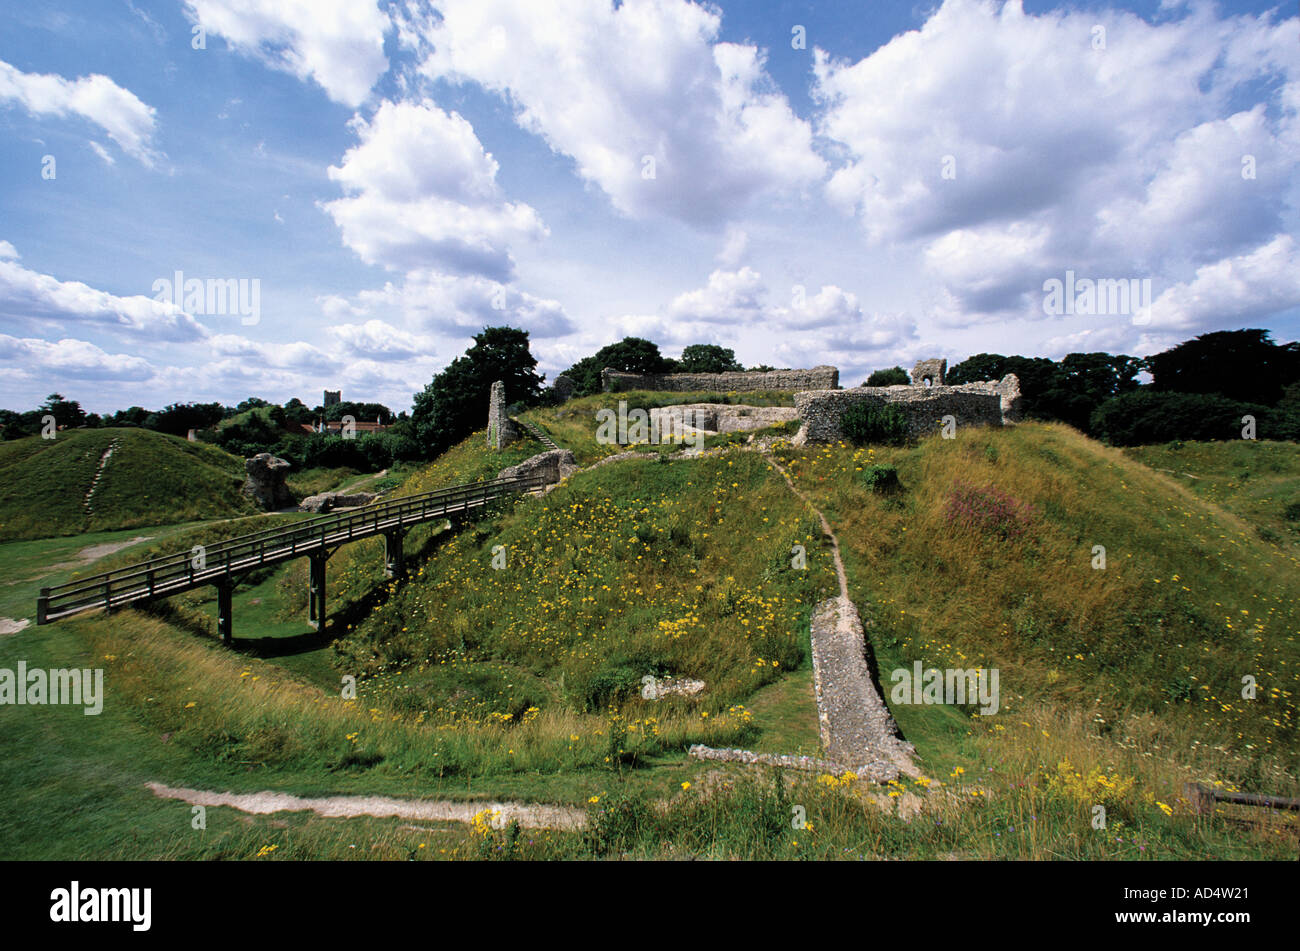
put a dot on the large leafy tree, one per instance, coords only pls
(65, 412)
(1147, 416)
(179, 418)
(132, 416)
(631, 354)
(455, 402)
(982, 366)
(1037, 375)
(11, 425)
(1081, 383)
(1240, 364)
(1068, 391)
(894, 376)
(369, 412)
(296, 411)
(708, 358)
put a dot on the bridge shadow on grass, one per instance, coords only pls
(351, 613)
(266, 647)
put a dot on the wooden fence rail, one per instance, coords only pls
(1204, 797)
(315, 538)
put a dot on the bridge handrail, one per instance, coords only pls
(159, 570)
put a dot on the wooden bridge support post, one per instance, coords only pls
(394, 566)
(316, 591)
(225, 621)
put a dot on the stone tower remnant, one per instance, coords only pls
(929, 372)
(501, 429)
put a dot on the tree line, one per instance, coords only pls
(1200, 389)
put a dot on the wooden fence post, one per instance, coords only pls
(225, 622)
(316, 591)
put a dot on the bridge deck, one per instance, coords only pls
(216, 564)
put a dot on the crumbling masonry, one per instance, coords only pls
(924, 403)
(617, 381)
(501, 429)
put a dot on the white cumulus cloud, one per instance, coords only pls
(422, 193)
(28, 296)
(337, 43)
(119, 112)
(652, 108)
(1008, 147)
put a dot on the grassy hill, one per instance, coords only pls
(150, 479)
(573, 424)
(1257, 480)
(987, 558)
(1118, 683)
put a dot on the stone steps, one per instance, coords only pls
(537, 433)
(99, 474)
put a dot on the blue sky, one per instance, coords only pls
(392, 176)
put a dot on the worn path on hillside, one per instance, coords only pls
(856, 727)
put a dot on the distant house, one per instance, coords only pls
(335, 426)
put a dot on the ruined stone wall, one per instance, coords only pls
(935, 371)
(971, 404)
(720, 417)
(817, 378)
(501, 429)
(552, 465)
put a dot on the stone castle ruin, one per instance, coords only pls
(923, 403)
(501, 429)
(617, 381)
(819, 404)
(929, 372)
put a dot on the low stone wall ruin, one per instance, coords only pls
(552, 465)
(718, 417)
(817, 378)
(971, 404)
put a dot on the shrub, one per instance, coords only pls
(864, 423)
(989, 510)
(496, 841)
(894, 376)
(618, 822)
(610, 685)
(881, 478)
(1147, 417)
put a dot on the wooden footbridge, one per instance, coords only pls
(315, 539)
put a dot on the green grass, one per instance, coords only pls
(182, 713)
(619, 573)
(316, 481)
(31, 565)
(468, 461)
(151, 479)
(1256, 480)
(785, 713)
(1149, 653)
(478, 683)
